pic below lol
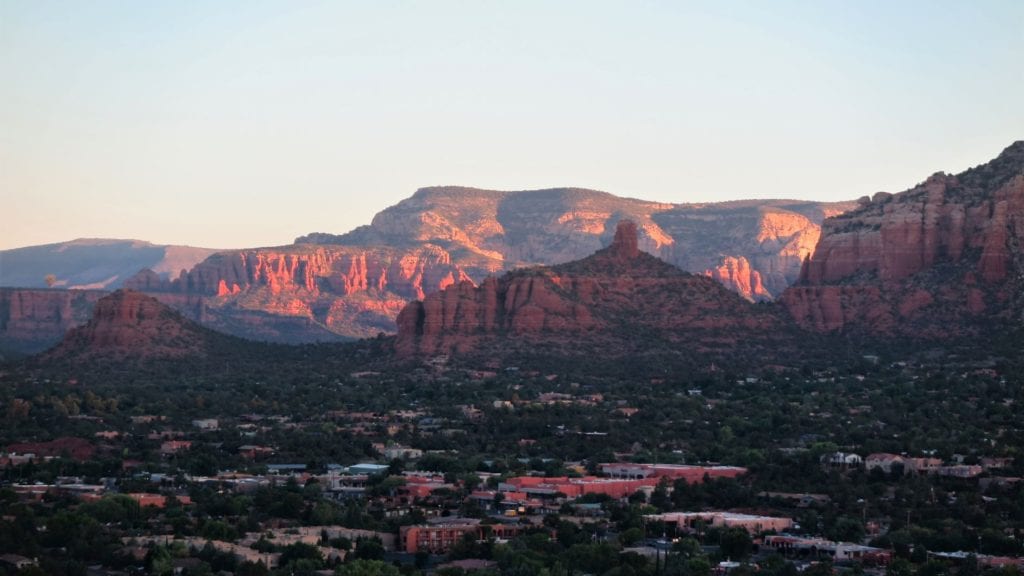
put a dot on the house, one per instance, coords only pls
(252, 452)
(841, 460)
(821, 548)
(401, 452)
(960, 471)
(692, 474)
(156, 500)
(887, 463)
(690, 521)
(996, 463)
(174, 446)
(206, 424)
(923, 465)
(439, 538)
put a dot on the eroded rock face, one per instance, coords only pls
(618, 293)
(928, 259)
(326, 287)
(737, 275)
(491, 231)
(33, 320)
(127, 324)
(330, 290)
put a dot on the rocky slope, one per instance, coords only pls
(618, 299)
(96, 264)
(33, 320)
(305, 293)
(933, 260)
(754, 247)
(328, 287)
(130, 325)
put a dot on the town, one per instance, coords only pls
(535, 473)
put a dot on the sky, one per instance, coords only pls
(243, 124)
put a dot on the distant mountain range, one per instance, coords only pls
(333, 287)
(93, 264)
(939, 257)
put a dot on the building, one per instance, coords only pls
(885, 462)
(960, 471)
(821, 548)
(439, 538)
(572, 488)
(842, 460)
(174, 446)
(156, 500)
(691, 521)
(692, 474)
(992, 463)
(290, 469)
(924, 465)
(367, 469)
(402, 452)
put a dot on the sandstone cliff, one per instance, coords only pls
(328, 287)
(754, 247)
(304, 293)
(128, 324)
(33, 320)
(620, 296)
(930, 260)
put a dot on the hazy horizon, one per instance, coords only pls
(236, 124)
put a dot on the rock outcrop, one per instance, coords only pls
(618, 296)
(487, 231)
(305, 293)
(33, 320)
(930, 260)
(328, 287)
(128, 324)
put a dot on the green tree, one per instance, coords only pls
(735, 543)
(362, 567)
(301, 554)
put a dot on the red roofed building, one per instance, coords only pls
(439, 538)
(156, 500)
(174, 446)
(575, 487)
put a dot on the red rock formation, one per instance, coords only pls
(331, 290)
(737, 275)
(927, 259)
(331, 287)
(506, 230)
(129, 324)
(595, 299)
(33, 320)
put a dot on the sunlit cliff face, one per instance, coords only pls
(601, 297)
(926, 259)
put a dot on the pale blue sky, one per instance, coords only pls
(239, 124)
